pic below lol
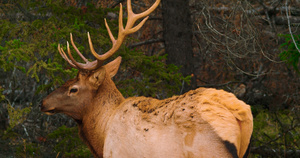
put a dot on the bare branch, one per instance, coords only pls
(146, 42)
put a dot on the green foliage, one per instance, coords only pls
(17, 116)
(279, 130)
(33, 49)
(149, 75)
(16, 54)
(290, 54)
(68, 142)
(11, 54)
(2, 97)
(27, 149)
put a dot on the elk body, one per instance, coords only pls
(201, 123)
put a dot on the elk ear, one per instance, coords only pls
(97, 77)
(113, 67)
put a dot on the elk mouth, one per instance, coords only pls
(49, 111)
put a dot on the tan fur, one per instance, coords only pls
(195, 124)
(230, 118)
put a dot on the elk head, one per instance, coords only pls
(93, 77)
(75, 94)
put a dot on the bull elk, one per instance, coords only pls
(200, 123)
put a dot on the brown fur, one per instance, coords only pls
(200, 123)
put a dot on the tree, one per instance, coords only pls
(177, 29)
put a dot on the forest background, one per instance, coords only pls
(247, 47)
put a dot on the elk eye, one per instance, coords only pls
(73, 90)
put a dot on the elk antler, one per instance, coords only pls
(129, 29)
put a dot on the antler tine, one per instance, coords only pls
(137, 27)
(115, 42)
(87, 66)
(109, 32)
(145, 13)
(76, 49)
(140, 15)
(80, 66)
(132, 18)
(91, 45)
(63, 54)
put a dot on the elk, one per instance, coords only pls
(200, 123)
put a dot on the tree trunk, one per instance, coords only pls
(177, 28)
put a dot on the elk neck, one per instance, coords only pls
(96, 115)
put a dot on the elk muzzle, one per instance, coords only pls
(47, 110)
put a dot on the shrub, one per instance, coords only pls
(290, 53)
